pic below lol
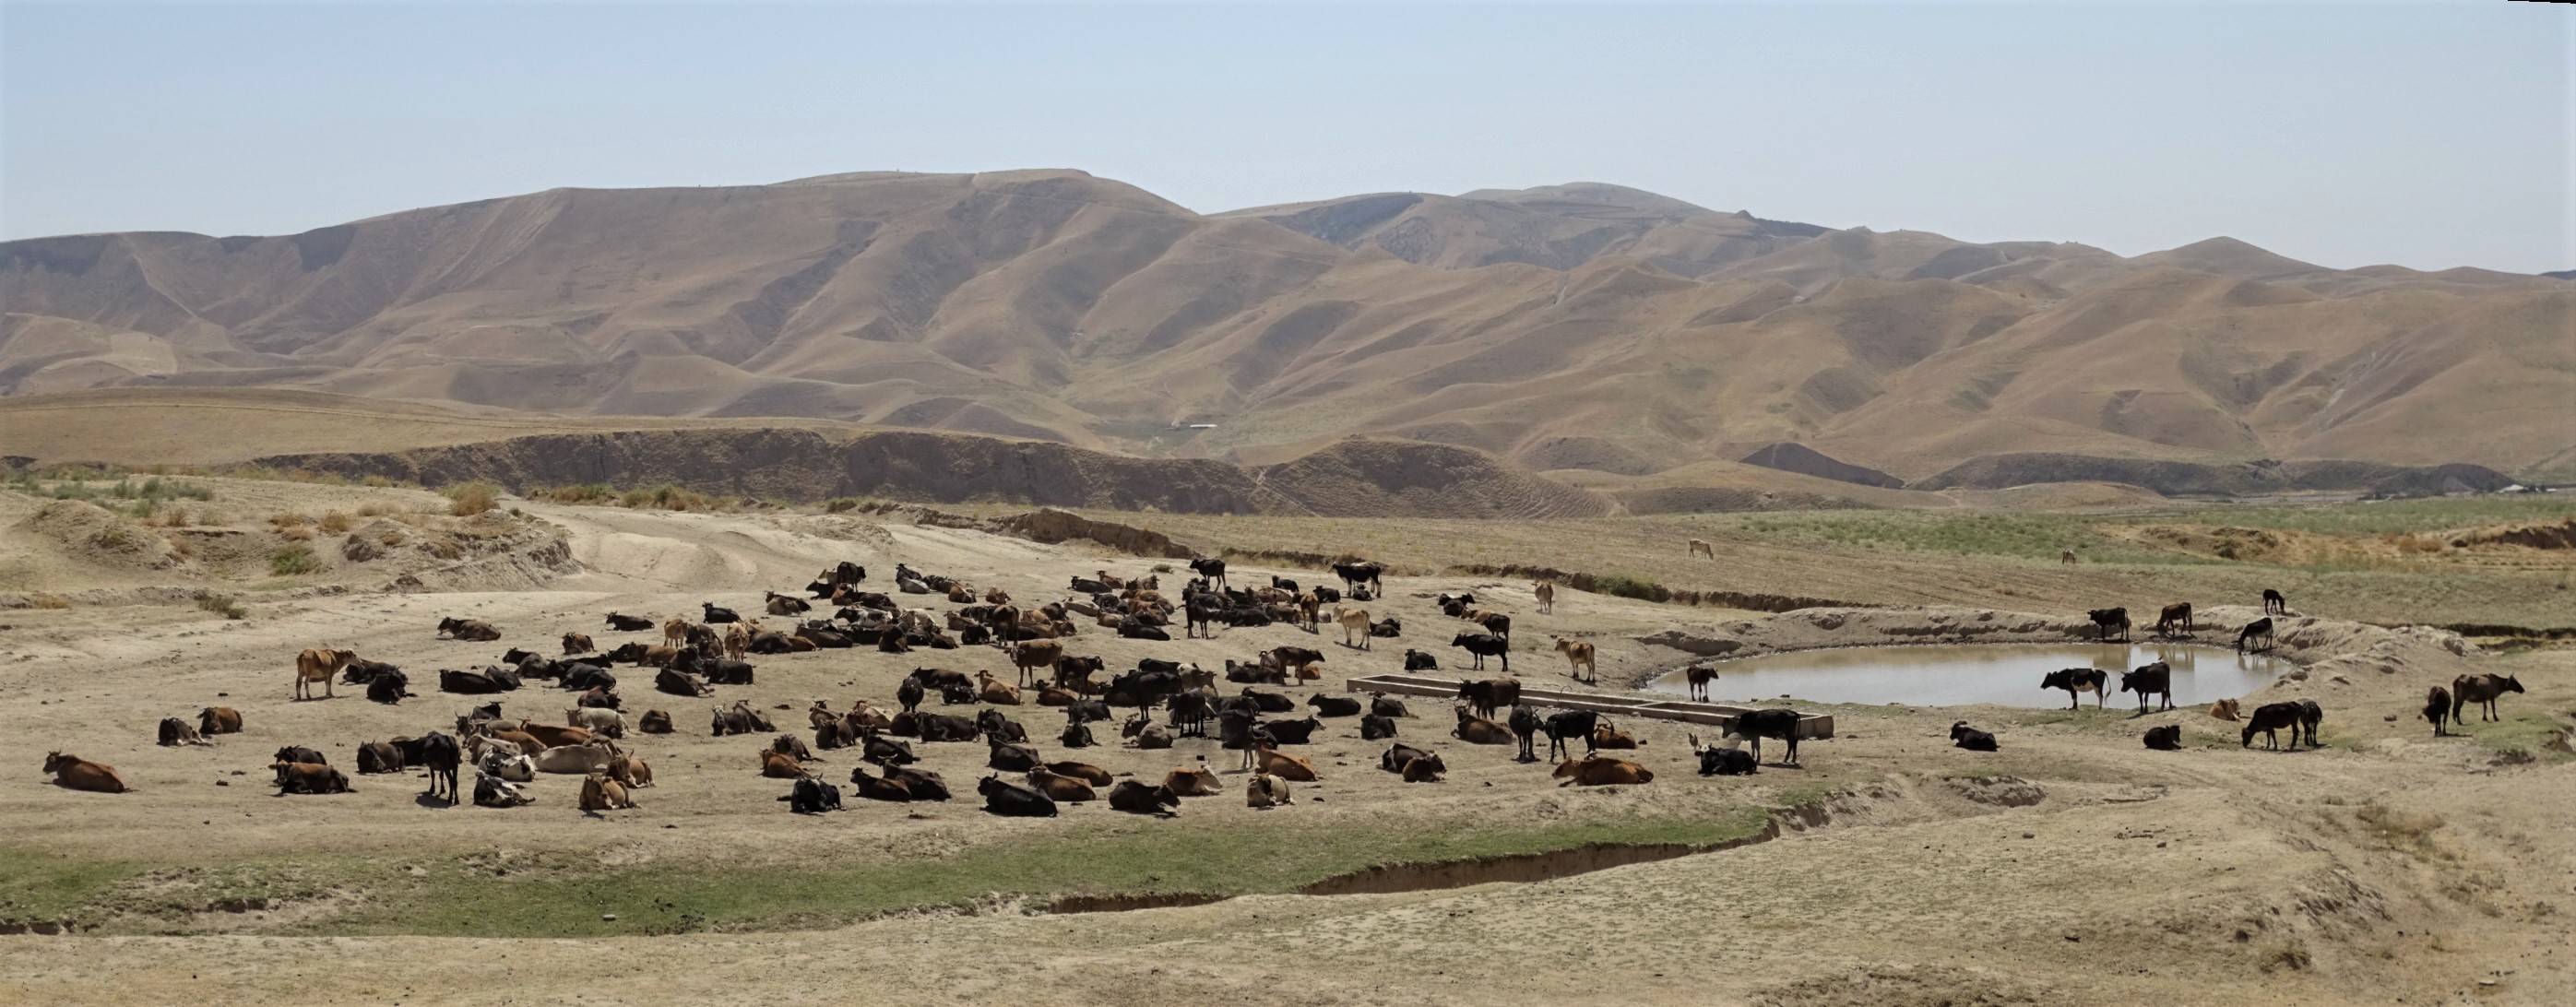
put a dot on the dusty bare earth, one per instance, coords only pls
(2072, 867)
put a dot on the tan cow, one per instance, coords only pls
(1273, 762)
(675, 632)
(2226, 709)
(995, 691)
(996, 596)
(318, 665)
(1031, 655)
(1200, 782)
(736, 640)
(1578, 657)
(599, 793)
(1061, 787)
(76, 773)
(1699, 547)
(552, 735)
(1546, 592)
(215, 720)
(780, 767)
(1355, 622)
(631, 770)
(1601, 771)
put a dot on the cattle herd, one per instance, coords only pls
(1167, 702)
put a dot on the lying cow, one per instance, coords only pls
(1601, 771)
(1010, 800)
(1963, 736)
(72, 772)
(1718, 760)
(2167, 738)
(494, 792)
(1142, 799)
(175, 731)
(307, 778)
(468, 629)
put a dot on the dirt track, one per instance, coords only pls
(2070, 868)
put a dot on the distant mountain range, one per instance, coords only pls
(1603, 333)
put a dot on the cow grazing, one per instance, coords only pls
(307, 778)
(1334, 706)
(468, 629)
(1143, 799)
(1266, 791)
(628, 623)
(2269, 719)
(2167, 738)
(2256, 634)
(2437, 708)
(1963, 736)
(215, 720)
(1355, 626)
(1490, 694)
(2149, 679)
(1720, 760)
(1578, 659)
(1699, 547)
(319, 665)
(2172, 617)
(1779, 724)
(2482, 690)
(175, 731)
(72, 772)
(2107, 619)
(1484, 645)
(2274, 603)
(1601, 771)
(1010, 800)
(2077, 682)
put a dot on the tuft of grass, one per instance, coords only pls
(336, 523)
(292, 560)
(375, 482)
(472, 498)
(221, 604)
(1629, 585)
(581, 493)
(49, 601)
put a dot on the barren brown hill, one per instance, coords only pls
(1581, 327)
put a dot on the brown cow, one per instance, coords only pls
(1200, 782)
(552, 735)
(1476, 730)
(1060, 787)
(1700, 547)
(1578, 657)
(780, 767)
(1546, 593)
(1601, 771)
(2167, 617)
(308, 778)
(215, 720)
(1606, 736)
(318, 665)
(578, 643)
(630, 770)
(600, 793)
(1031, 655)
(995, 691)
(1266, 791)
(1271, 762)
(2480, 691)
(1083, 771)
(76, 773)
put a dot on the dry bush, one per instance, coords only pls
(336, 523)
(180, 547)
(49, 601)
(291, 560)
(393, 537)
(375, 482)
(287, 519)
(377, 509)
(473, 498)
(443, 548)
(299, 533)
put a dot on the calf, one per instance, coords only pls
(2274, 604)
(1601, 771)
(1142, 799)
(1963, 736)
(2172, 616)
(2482, 690)
(1578, 658)
(2167, 738)
(599, 793)
(1699, 676)
(1484, 645)
(2077, 681)
(2149, 679)
(1716, 760)
(1011, 800)
(2107, 619)
(175, 731)
(1355, 626)
(2437, 708)
(2257, 633)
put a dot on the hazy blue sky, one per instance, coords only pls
(2426, 135)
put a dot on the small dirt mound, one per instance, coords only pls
(1900, 986)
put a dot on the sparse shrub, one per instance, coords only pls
(1162, 568)
(473, 498)
(285, 520)
(443, 548)
(581, 493)
(375, 482)
(377, 509)
(49, 601)
(114, 536)
(291, 560)
(181, 547)
(336, 523)
(838, 505)
(221, 604)
(1626, 585)
(298, 533)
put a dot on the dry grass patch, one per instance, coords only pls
(472, 498)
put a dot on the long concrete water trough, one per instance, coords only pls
(1722, 717)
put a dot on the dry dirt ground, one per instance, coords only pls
(2072, 867)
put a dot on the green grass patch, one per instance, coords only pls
(2525, 732)
(1628, 585)
(293, 560)
(566, 894)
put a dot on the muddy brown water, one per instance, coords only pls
(1962, 674)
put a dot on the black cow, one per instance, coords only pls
(996, 726)
(1970, 738)
(1270, 702)
(2274, 604)
(1190, 711)
(1133, 630)
(1291, 732)
(629, 623)
(1213, 569)
(1201, 611)
(812, 796)
(1334, 706)
(2107, 619)
(2269, 719)
(1720, 761)
(681, 683)
(472, 683)
(1570, 724)
(1010, 800)
(1077, 734)
(1375, 728)
(439, 752)
(1383, 705)
(361, 672)
(885, 751)
(1484, 645)
(2076, 682)
(718, 615)
(1526, 725)
(2154, 678)
(1141, 799)
(2258, 633)
(942, 727)
(1011, 758)
(1781, 724)
(1415, 660)
(924, 784)
(2437, 708)
(910, 694)
(1490, 694)
(2165, 739)
(585, 677)
(1355, 574)
(389, 687)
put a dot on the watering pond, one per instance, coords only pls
(1962, 674)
